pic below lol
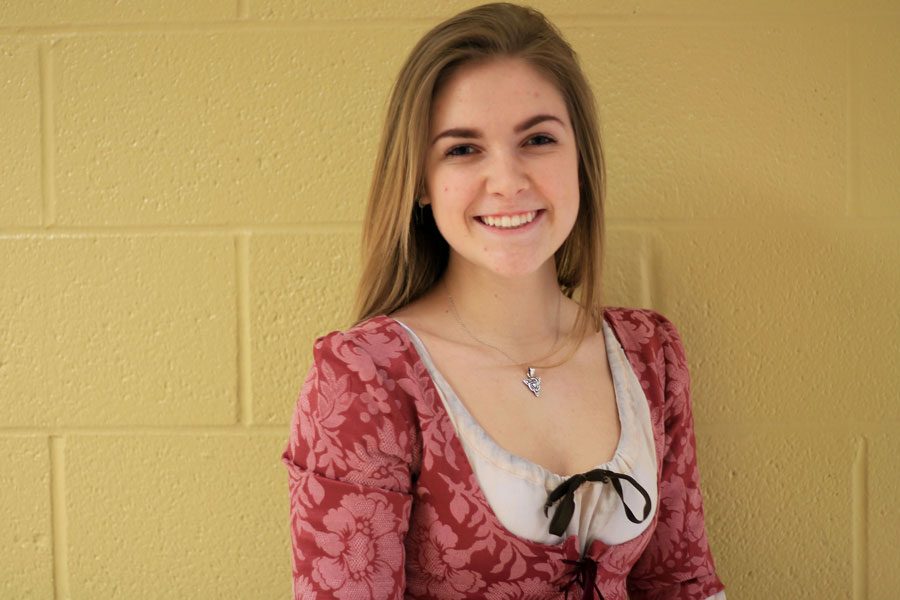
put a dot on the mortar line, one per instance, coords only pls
(245, 390)
(189, 231)
(170, 430)
(48, 148)
(59, 519)
(849, 427)
(860, 531)
(364, 23)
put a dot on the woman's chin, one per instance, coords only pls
(516, 271)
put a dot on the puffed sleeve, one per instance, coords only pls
(677, 564)
(349, 460)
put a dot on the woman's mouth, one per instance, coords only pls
(506, 222)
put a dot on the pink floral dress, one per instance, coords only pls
(384, 502)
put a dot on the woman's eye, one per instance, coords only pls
(540, 140)
(460, 151)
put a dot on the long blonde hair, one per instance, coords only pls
(404, 254)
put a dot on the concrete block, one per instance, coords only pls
(25, 519)
(118, 331)
(771, 497)
(220, 127)
(877, 61)
(720, 119)
(883, 518)
(20, 133)
(625, 268)
(785, 323)
(177, 516)
(50, 13)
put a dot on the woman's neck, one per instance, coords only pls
(522, 315)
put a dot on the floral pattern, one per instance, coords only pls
(437, 566)
(529, 588)
(360, 546)
(384, 503)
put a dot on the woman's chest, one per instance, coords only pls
(570, 428)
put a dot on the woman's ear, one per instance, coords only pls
(422, 201)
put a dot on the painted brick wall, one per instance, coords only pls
(181, 185)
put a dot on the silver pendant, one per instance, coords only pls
(532, 382)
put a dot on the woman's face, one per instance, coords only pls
(502, 167)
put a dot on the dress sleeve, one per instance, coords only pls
(349, 459)
(677, 563)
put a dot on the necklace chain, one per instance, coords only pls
(482, 342)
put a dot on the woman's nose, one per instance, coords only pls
(505, 175)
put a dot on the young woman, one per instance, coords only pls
(480, 433)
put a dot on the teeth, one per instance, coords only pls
(507, 222)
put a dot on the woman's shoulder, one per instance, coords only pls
(374, 344)
(637, 328)
(654, 347)
(362, 333)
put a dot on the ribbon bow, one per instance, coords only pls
(566, 492)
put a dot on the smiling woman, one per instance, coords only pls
(487, 429)
(503, 188)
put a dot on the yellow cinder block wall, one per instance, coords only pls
(181, 189)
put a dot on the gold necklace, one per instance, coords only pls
(531, 381)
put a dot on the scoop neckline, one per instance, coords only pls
(568, 546)
(542, 473)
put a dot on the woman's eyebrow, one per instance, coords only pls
(465, 132)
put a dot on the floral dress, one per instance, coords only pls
(385, 504)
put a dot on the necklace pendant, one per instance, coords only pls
(532, 382)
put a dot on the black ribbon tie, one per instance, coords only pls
(566, 492)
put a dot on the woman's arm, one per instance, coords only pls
(349, 458)
(677, 563)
